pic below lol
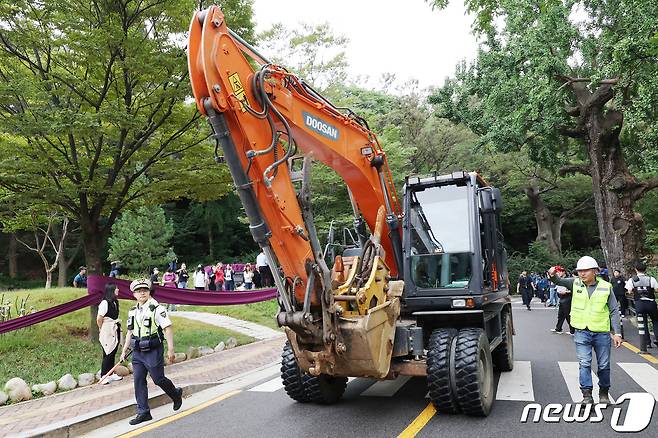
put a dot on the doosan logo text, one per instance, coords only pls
(639, 411)
(320, 126)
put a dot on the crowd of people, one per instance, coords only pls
(593, 305)
(217, 277)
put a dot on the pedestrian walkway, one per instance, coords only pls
(248, 328)
(58, 410)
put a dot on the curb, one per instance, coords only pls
(93, 420)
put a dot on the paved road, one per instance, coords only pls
(546, 372)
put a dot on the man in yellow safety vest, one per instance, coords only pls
(593, 307)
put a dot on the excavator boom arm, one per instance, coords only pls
(267, 116)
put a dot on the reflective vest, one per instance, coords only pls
(145, 326)
(591, 313)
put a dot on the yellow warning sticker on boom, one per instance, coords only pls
(238, 91)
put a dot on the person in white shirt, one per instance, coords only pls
(200, 280)
(264, 270)
(248, 276)
(109, 330)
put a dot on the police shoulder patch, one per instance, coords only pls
(163, 314)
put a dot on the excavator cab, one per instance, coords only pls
(452, 243)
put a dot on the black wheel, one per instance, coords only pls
(324, 389)
(439, 367)
(503, 355)
(292, 375)
(474, 372)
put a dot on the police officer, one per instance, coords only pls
(148, 325)
(593, 306)
(644, 290)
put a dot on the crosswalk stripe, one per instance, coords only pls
(386, 388)
(570, 373)
(516, 384)
(644, 375)
(269, 386)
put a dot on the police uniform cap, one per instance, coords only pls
(141, 283)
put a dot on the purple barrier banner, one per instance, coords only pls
(169, 295)
(172, 295)
(53, 312)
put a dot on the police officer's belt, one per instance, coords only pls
(145, 343)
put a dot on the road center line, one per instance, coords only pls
(175, 417)
(419, 422)
(634, 349)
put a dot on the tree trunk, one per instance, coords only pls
(548, 229)
(62, 267)
(12, 255)
(49, 279)
(621, 229)
(94, 242)
(614, 188)
(64, 263)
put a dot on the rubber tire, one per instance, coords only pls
(503, 355)
(439, 381)
(474, 372)
(292, 376)
(324, 389)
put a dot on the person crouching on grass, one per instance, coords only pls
(148, 324)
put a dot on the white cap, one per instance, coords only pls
(586, 262)
(141, 283)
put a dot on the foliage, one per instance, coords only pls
(141, 239)
(515, 93)
(313, 52)
(211, 231)
(94, 112)
(572, 82)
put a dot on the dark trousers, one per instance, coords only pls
(108, 361)
(151, 362)
(526, 296)
(563, 312)
(623, 303)
(648, 310)
(265, 276)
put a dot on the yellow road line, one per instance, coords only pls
(178, 416)
(634, 349)
(419, 422)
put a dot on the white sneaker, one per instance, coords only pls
(114, 378)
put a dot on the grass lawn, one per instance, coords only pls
(47, 351)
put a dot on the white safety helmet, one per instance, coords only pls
(586, 262)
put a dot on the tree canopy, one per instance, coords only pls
(141, 239)
(574, 84)
(93, 110)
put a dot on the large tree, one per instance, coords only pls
(93, 107)
(552, 76)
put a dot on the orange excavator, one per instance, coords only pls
(425, 291)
